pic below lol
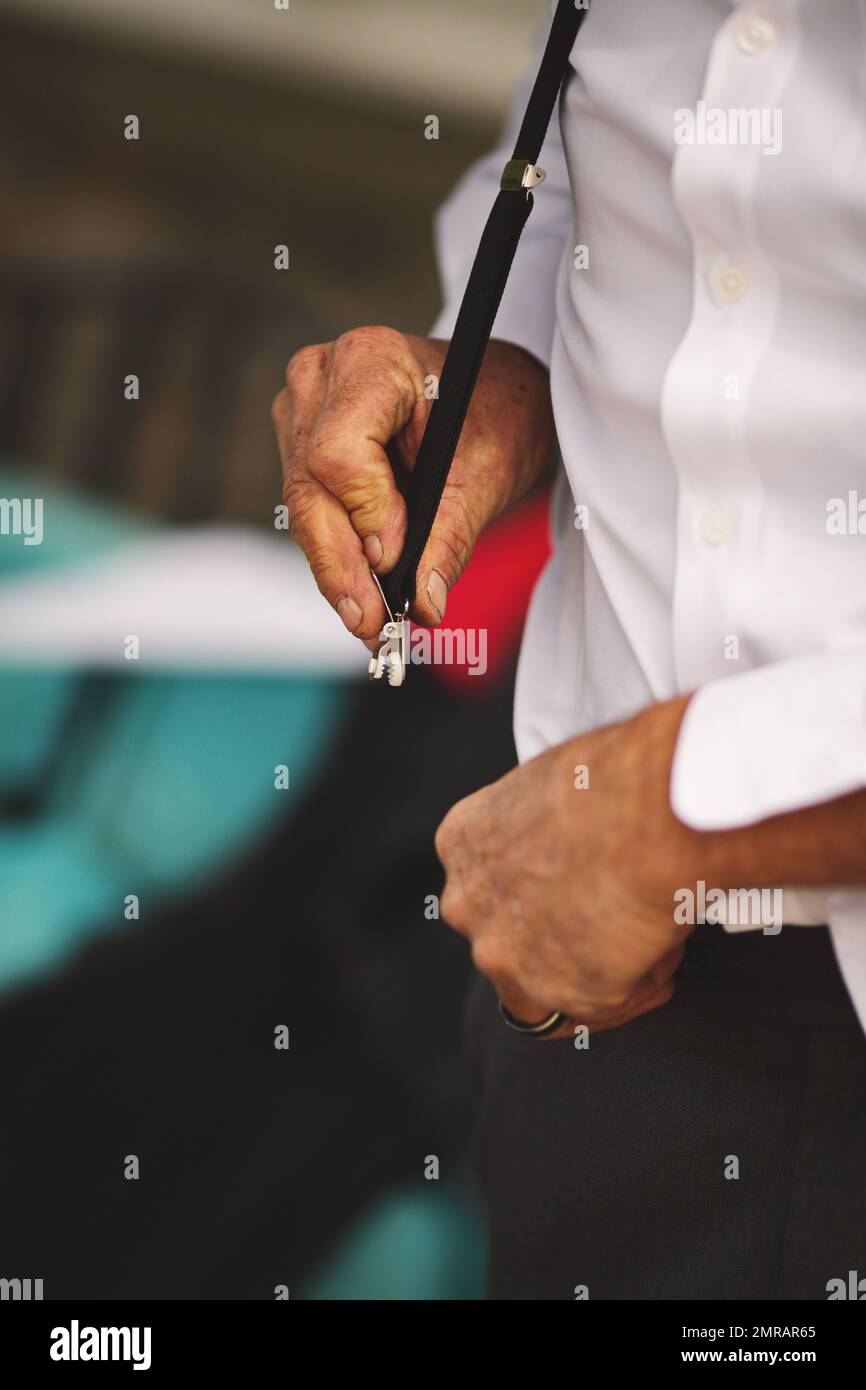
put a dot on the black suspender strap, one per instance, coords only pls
(480, 304)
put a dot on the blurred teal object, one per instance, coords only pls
(175, 783)
(89, 527)
(169, 782)
(32, 705)
(426, 1243)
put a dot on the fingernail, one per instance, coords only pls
(437, 592)
(373, 550)
(350, 613)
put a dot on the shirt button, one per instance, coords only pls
(716, 526)
(755, 34)
(730, 283)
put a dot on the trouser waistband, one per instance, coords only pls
(790, 976)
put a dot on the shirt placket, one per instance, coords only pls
(711, 406)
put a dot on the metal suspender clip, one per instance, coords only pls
(392, 658)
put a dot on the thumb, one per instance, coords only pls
(457, 527)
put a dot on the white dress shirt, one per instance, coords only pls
(708, 373)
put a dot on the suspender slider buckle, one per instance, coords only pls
(519, 173)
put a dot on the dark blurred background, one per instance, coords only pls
(258, 127)
(163, 906)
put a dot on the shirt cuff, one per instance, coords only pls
(771, 741)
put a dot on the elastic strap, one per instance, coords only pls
(478, 310)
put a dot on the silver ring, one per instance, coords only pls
(532, 1030)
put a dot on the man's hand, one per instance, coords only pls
(566, 895)
(349, 422)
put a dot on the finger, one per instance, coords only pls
(654, 1000)
(460, 519)
(320, 526)
(667, 965)
(652, 994)
(374, 387)
(489, 471)
(318, 522)
(523, 1007)
(656, 982)
(295, 408)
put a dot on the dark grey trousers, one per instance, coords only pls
(611, 1168)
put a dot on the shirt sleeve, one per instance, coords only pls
(527, 315)
(773, 740)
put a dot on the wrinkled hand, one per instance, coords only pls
(349, 422)
(566, 894)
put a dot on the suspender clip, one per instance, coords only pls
(392, 658)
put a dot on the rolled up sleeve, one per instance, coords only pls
(773, 740)
(527, 315)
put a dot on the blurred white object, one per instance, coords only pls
(220, 598)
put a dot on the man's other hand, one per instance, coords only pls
(562, 875)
